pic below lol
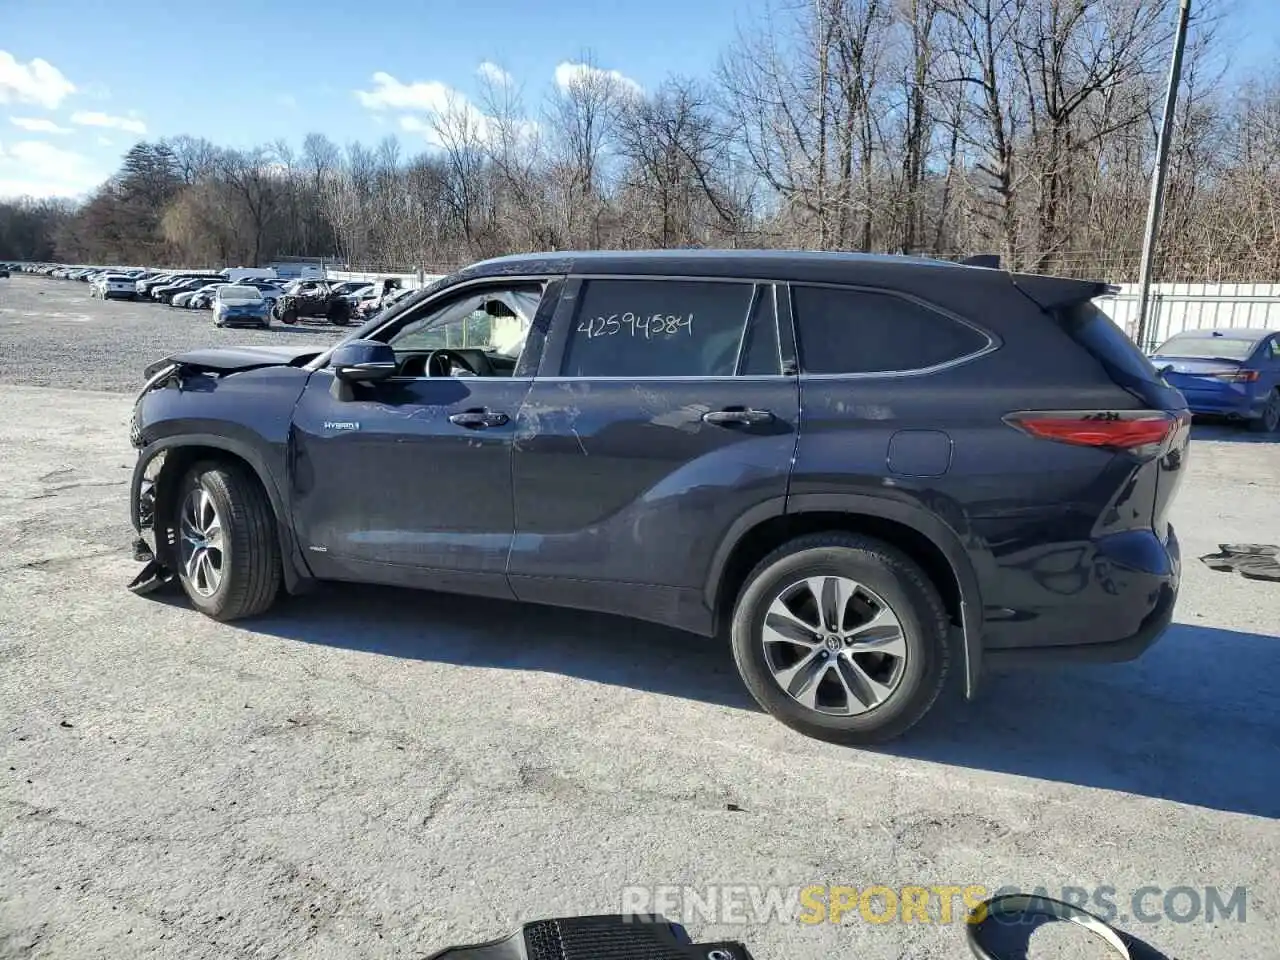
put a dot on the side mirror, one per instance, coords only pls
(362, 361)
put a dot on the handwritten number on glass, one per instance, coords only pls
(650, 327)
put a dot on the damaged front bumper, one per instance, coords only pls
(142, 513)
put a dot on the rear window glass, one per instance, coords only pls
(1190, 347)
(239, 293)
(863, 331)
(1093, 329)
(657, 328)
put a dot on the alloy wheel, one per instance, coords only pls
(834, 646)
(200, 543)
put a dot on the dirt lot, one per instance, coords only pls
(379, 773)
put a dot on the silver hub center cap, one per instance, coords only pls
(833, 643)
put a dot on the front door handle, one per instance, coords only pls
(478, 419)
(731, 417)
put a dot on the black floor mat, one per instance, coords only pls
(1253, 561)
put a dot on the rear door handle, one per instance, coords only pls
(730, 417)
(478, 419)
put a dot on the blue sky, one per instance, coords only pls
(80, 80)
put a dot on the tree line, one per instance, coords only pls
(1025, 128)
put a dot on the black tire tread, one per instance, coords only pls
(1258, 424)
(255, 574)
(934, 612)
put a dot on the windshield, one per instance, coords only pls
(239, 293)
(1214, 347)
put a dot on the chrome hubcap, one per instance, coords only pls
(834, 645)
(200, 542)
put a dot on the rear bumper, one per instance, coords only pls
(1224, 403)
(1146, 591)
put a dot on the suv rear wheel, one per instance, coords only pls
(841, 637)
(227, 552)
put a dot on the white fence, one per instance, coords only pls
(409, 281)
(1175, 307)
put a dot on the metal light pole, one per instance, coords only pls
(1162, 168)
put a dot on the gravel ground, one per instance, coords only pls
(53, 334)
(379, 773)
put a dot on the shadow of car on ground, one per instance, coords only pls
(1196, 720)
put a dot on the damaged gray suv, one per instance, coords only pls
(865, 473)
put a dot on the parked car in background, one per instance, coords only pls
(240, 305)
(862, 471)
(200, 298)
(1230, 372)
(241, 274)
(144, 286)
(347, 287)
(271, 290)
(166, 292)
(312, 301)
(110, 286)
(369, 308)
(4, 271)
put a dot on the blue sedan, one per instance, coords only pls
(1231, 373)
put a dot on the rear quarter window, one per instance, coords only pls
(1094, 330)
(866, 331)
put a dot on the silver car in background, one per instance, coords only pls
(240, 305)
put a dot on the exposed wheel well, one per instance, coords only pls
(763, 539)
(177, 461)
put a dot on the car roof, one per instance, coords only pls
(680, 260)
(892, 271)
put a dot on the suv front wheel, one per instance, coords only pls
(841, 637)
(228, 557)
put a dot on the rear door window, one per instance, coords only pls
(657, 328)
(848, 331)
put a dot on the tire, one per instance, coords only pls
(904, 687)
(288, 316)
(1269, 421)
(247, 565)
(339, 314)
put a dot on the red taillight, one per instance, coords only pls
(1115, 430)
(1237, 376)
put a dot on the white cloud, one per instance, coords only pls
(38, 125)
(38, 82)
(106, 142)
(287, 100)
(492, 73)
(437, 106)
(569, 73)
(388, 93)
(39, 169)
(92, 118)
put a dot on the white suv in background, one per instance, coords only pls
(110, 285)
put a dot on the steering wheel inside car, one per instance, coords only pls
(446, 363)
